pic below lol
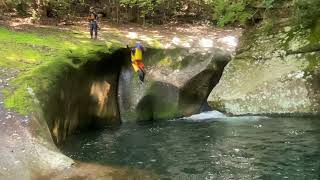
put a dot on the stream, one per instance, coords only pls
(208, 146)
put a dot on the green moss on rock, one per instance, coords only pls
(41, 56)
(273, 73)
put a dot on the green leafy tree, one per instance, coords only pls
(307, 12)
(230, 11)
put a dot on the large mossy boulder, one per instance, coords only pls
(83, 97)
(177, 83)
(275, 71)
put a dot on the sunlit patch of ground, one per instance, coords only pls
(195, 37)
(186, 36)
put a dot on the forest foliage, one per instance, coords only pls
(220, 12)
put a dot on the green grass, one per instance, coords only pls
(42, 55)
(315, 33)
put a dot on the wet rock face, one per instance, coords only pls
(275, 73)
(107, 91)
(84, 97)
(177, 83)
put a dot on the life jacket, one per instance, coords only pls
(137, 53)
(136, 58)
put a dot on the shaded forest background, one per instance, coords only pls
(214, 12)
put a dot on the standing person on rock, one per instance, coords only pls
(93, 23)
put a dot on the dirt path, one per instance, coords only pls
(185, 35)
(193, 37)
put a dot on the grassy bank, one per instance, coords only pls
(39, 56)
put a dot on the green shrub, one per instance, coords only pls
(22, 9)
(268, 3)
(229, 11)
(307, 12)
(20, 6)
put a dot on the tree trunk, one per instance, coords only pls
(117, 9)
(39, 10)
(3, 5)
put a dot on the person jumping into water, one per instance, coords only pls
(136, 60)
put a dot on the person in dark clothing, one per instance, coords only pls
(93, 24)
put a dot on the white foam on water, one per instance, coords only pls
(218, 116)
(247, 118)
(206, 115)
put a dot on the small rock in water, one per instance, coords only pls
(153, 160)
(236, 150)
(258, 126)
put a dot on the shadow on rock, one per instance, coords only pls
(159, 103)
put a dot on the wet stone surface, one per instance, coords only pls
(5, 115)
(14, 136)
